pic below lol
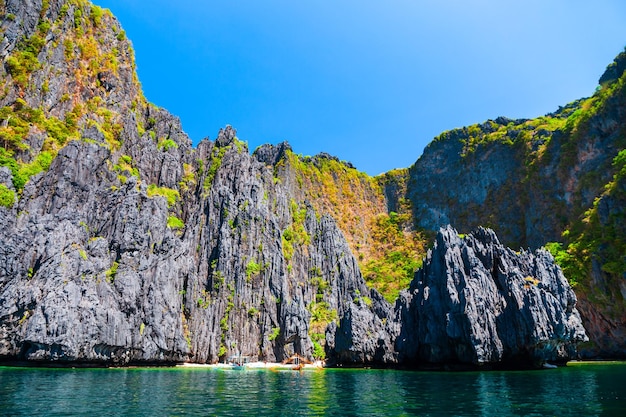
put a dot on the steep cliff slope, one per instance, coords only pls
(380, 235)
(122, 243)
(474, 302)
(554, 181)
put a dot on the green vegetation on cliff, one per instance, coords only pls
(599, 240)
(21, 122)
(398, 254)
(334, 187)
(39, 117)
(7, 196)
(295, 235)
(388, 248)
(595, 242)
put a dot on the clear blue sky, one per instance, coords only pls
(372, 82)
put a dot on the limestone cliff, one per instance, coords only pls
(495, 305)
(474, 302)
(122, 243)
(555, 181)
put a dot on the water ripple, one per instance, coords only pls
(587, 390)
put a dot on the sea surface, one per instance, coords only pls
(581, 390)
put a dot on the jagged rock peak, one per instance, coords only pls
(317, 160)
(615, 69)
(473, 303)
(502, 120)
(477, 302)
(271, 154)
(226, 136)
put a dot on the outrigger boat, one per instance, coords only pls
(238, 362)
(296, 362)
(293, 363)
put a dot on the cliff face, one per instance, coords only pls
(474, 302)
(494, 305)
(121, 243)
(97, 269)
(552, 181)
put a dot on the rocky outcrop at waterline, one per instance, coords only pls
(474, 302)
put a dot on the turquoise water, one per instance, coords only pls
(586, 390)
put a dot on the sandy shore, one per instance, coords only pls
(596, 362)
(256, 365)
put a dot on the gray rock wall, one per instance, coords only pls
(478, 302)
(93, 272)
(135, 247)
(473, 303)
